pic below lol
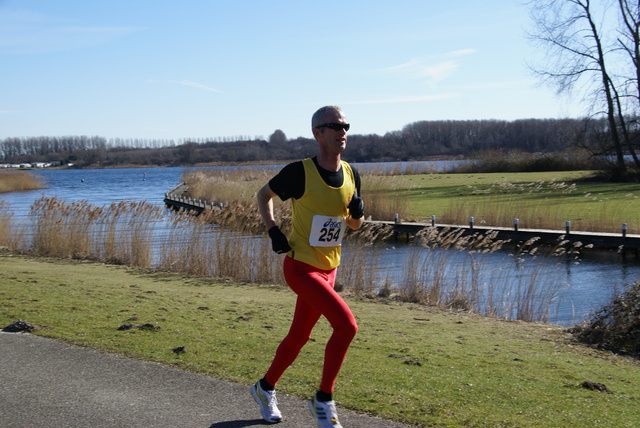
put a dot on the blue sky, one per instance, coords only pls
(159, 69)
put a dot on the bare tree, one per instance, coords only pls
(629, 41)
(583, 43)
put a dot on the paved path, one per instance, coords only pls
(45, 383)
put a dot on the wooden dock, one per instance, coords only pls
(621, 242)
(174, 199)
(601, 240)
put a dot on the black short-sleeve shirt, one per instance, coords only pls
(290, 181)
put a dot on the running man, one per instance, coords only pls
(324, 192)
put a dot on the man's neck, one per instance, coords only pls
(330, 162)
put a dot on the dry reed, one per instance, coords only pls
(226, 186)
(19, 181)
(358, 273)
(199, 248)
(118, 234)
(382, 202)
(451, 270)
(11, 234)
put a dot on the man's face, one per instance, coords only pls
(332, 140)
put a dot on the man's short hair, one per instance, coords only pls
(318, 117)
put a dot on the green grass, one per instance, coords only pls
(411, 363)
(539, 200)
(432, 194)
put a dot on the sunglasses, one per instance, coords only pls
(335, 126)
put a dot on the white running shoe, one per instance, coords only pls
(325, 413)
(268, 403)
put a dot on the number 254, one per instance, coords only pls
(328, 235)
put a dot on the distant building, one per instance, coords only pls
(29, 165)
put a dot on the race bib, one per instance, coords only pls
(326, 231)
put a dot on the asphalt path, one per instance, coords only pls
(46, 383)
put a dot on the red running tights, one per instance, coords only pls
(316, 297)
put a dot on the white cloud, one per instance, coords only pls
(437, 72)
(434, 69)
(198, 86)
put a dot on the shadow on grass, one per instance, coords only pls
(240, 423)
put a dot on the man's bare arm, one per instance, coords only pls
(265, 206)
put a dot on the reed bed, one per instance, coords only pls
(11, 233)
(226, 186)
(382, 199)
(199, 248)
(243, 216)
(451, 271)
(118, 234)
(19, 181)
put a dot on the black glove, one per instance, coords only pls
(279, 242)
(356, 206)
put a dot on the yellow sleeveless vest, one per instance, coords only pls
(328, 205)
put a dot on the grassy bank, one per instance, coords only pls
(412, 363)
(540, 200)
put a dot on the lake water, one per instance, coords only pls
(581, 286)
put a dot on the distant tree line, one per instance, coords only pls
(416, 141)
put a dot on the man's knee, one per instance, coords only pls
(349, 329)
